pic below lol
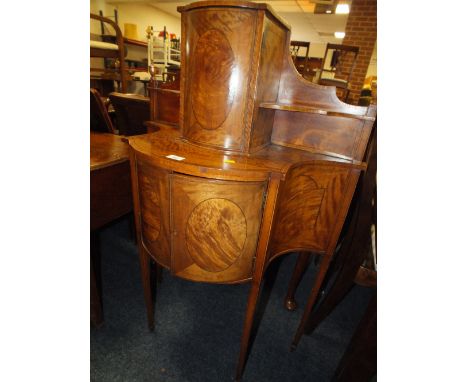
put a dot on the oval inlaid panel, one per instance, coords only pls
(216, 233)
(213, 66)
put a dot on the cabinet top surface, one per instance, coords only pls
(106, 150)
(167, 149)
(235, 4)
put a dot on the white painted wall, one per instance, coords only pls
(140, 14)
(94, 7)
(143, 15)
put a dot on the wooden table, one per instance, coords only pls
(111, 195)
(111, 198)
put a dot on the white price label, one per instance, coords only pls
(175, 157)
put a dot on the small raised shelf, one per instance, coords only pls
(311, 110)
(129, 41)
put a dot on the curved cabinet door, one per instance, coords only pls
(215, 226)
(311, 207)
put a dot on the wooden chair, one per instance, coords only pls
(109, 186)
(131, 111)
(300, 61)
(338, 57)
(99, 117)
(295, 46)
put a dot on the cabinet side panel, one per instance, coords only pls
(153, 186)
(271, 63)
(308, 208)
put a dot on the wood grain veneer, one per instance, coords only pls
(264, 162)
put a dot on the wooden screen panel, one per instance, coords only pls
(308, 207)
(271, 64)
(153, 189)
(168, 106)
(215, 228)
(218, 69)
(330, 134)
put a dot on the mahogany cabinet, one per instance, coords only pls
(262, 163)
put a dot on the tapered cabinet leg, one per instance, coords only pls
(302, 264)
(265, 229)
(324, 264)
(145, 266)
(246, 332)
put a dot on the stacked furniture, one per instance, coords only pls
(300, 61)
(264, 162)
(114, 50)
(163, 53)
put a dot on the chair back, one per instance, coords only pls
(131, 111)
(339, 61)
(295, 46)
(99, 117)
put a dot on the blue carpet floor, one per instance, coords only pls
(198, 327)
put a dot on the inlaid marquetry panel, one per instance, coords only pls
(223, 233)
(308, 207)
(218, 65)
(153, 188)
(212, 97)
(215, 228)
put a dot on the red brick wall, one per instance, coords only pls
(361, 31)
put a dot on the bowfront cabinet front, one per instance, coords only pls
(201, 229)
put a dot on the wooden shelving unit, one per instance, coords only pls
(129, 41)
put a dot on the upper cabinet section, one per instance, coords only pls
(237, 72)
(231, 60)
